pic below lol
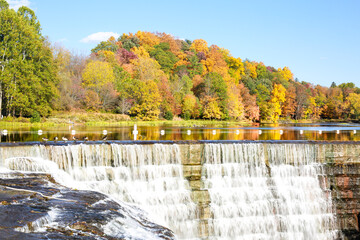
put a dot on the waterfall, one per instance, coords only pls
(148, 176)
(255, 190)
(267, 191)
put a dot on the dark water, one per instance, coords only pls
(226, 132)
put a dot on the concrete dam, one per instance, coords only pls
(183, 189)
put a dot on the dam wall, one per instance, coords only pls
(285, 184)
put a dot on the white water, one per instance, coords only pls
(148, 176)
(269, 191)
(257, 191)
(41, 224)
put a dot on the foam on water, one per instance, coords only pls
(262, 191)
(148, 176)
(257, 191)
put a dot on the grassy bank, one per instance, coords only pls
(110, 119)
(107, 119)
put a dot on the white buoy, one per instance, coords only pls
(162, 132)
(320, 132)
(301, 131)
(135, 132)
(188, 132)
(104, 132)
(5, 132)
(73, 132)
(337, 131)
(237, 132)
(260, 132)
(281, 132)
(214, 132)
(40, 132)
(354, 131)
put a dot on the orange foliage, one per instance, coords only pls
(175, 46)
(147, 39)
(197, 79)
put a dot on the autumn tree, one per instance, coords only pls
(147, 100)
(211, 109)
(277, 99)
(70, 67)
(354, 104)
(155, 75)
(190, 107)
(99, 77)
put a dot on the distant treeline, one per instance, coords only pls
(153, 75)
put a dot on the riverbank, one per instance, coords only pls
(111, 119)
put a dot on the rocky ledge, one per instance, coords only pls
(34, 206)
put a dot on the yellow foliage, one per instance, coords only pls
(182, 56)
(285, 73)
(111, 39)
(235, 105)
(278, 93)
(236, 67)
(251, 67)
(200, 45)
(147, 39)
(140, 52)
(97, 74)
(147, 100)
(109, 56)
(189, 105)
(277, 99)
(211, 108)
(354, 103)
(180, 63)
(147, 69)
(311, 109)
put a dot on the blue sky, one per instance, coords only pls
(318, 40)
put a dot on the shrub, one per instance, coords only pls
(186, 116)
(168, 115)
(35, 117)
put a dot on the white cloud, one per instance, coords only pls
(99, 36)
(16, 4)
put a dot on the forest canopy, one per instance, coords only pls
(153, 75)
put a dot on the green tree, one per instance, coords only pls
(109, 45)
(28, 73)
(164, 57)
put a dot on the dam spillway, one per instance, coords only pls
(212, 190)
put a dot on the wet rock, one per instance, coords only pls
(34, 206)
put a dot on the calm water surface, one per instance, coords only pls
(318, 131)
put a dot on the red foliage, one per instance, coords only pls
(124, 56)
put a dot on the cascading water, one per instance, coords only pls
(149, 176)
(260, 191)
(257, 191)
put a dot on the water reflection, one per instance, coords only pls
(325, 131)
